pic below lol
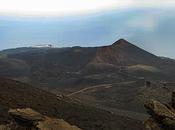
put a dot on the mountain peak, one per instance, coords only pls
(121, 42)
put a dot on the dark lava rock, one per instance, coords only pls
(162, 116)
(28, 119)
(26, 116)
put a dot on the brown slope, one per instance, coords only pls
(14, 94)
(123, 53)
(10, 67)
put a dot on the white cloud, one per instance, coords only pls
(149, 21)
(154, 3)
(62, 7)
(57, 7)
(145, 23)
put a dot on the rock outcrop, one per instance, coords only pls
(162, 116)
(26, 116)
(28, 119)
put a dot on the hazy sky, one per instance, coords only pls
(62, 7)
(149, 24)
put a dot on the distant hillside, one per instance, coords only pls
(67, 66)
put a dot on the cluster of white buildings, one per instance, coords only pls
(43, 46)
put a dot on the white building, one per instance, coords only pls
(43, 46)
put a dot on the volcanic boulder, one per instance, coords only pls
(162, 116)
(31, 120)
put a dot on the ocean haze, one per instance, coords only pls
(149, 28)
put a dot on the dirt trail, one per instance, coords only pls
(99, 86)
(88, 88)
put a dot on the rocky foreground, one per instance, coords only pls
(28, 119)
(162, 116)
